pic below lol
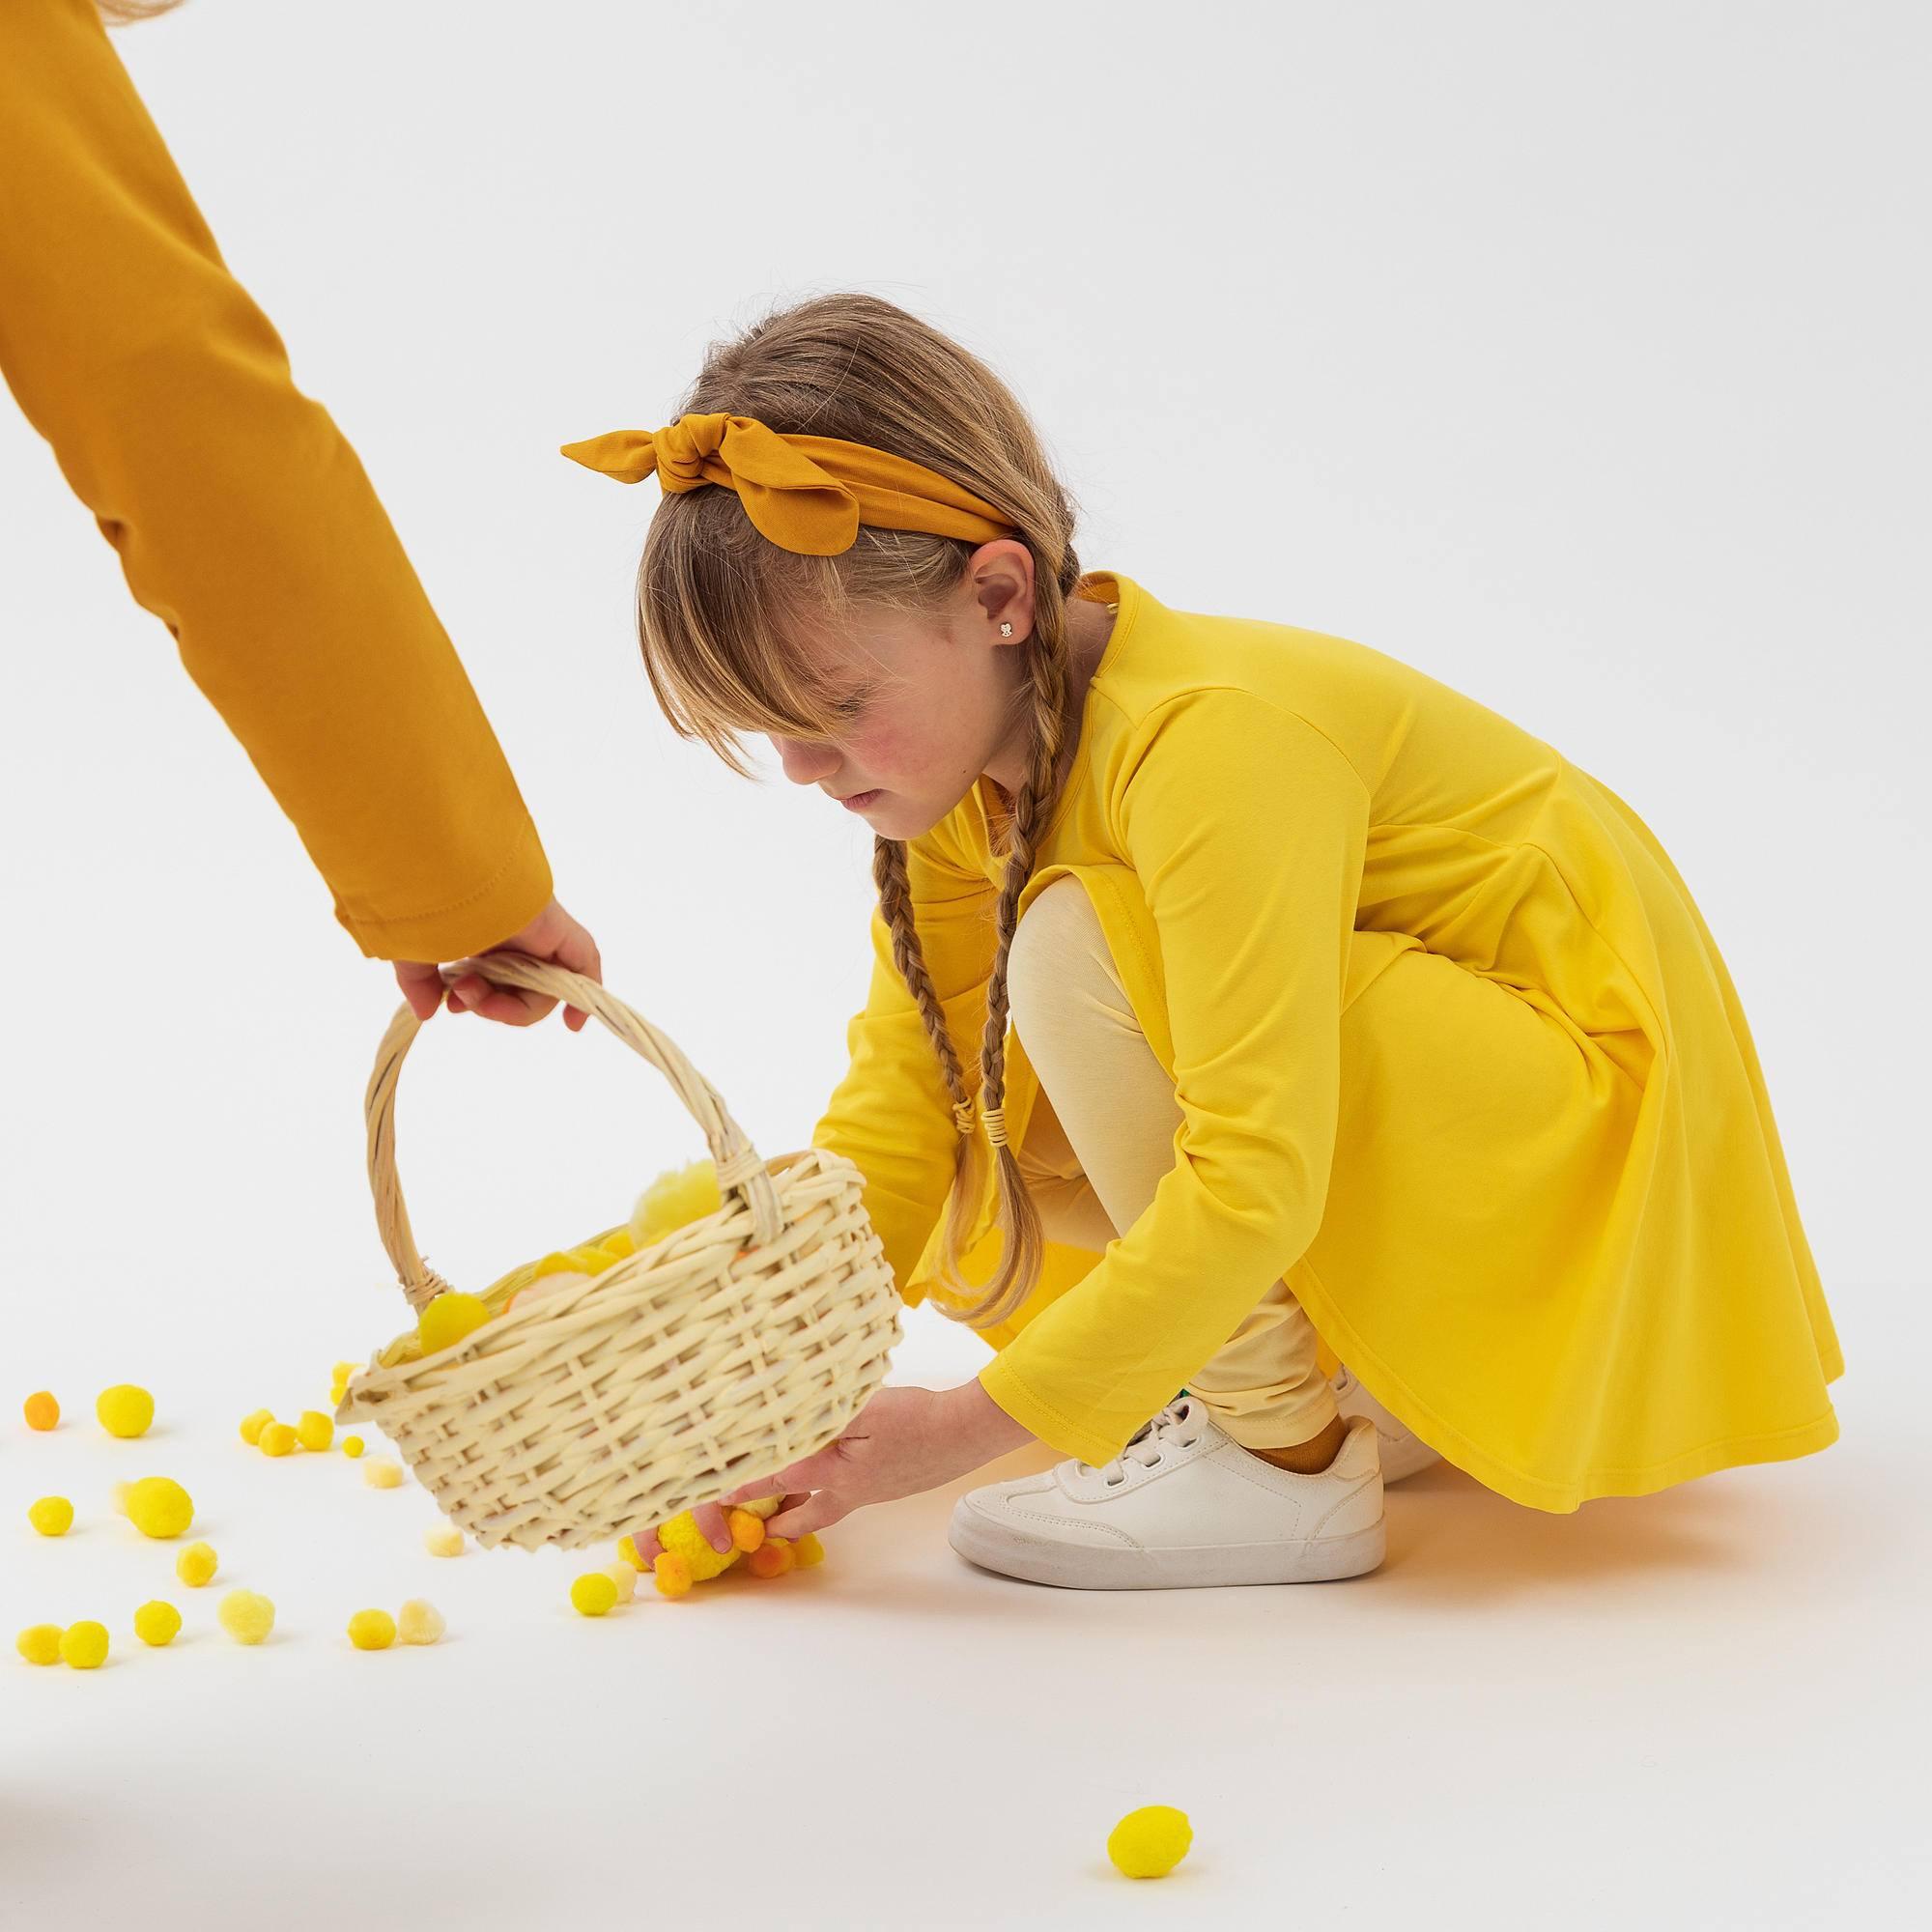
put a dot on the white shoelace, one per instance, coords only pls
(1151, 1441)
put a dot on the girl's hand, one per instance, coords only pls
(711, 1525)
(904, 1441)
(551, 935)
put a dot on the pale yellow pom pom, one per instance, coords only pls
(444, 1539)
(246, 1616)
(195, 1565)
(626, 1581)
(419, 1622)
(382, 1474)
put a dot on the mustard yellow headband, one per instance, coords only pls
(808, 494)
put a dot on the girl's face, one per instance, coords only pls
(933, 698)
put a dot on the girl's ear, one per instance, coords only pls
(1001, 575)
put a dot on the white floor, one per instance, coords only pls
(1702, 1709)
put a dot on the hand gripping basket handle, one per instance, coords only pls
(740, 1170)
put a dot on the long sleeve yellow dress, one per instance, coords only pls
(242, 518)
(1455, 1053)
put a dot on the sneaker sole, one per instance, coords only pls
(1011, 1553)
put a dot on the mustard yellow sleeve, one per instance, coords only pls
(891, 1115)
(242, 518)
(1247, 828)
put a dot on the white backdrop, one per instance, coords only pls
(1574, 355)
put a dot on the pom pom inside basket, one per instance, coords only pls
(739, 1343)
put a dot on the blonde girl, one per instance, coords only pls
(1243, 1002)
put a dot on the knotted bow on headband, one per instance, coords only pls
(808, 494)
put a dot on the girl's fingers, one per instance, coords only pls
(712, 1527)
(814, 1512)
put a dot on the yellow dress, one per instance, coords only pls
(1455, 1053)
(242, 517)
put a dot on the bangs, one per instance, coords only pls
(725, 628)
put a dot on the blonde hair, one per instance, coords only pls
(720, 611)
(124, 12)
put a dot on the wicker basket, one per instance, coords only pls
(736, 1345)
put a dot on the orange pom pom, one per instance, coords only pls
(748, 1531)
(41, 1411)
(673, 1574)
(772, 1559)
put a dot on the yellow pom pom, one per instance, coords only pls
(40, 1643)
(589, 1258)
(342, 1371)
(278, 1438)
(159, 1508)
(682, 1537)
(419, 1622)
(556, 1263)
(620, 1246)
(253, 1422)
(676, 1198)
(157, 1623)
(372, 1630)
(593, 1594)
(351, 1446)
(382, 1474)
(315, 1431)
(673, 1575)
(51, 1516)
(245, 1616)
(43, 1412)
(124, 1411)
(195, 1565)
(449, 1319)
(84, 1646)
(444, 1539)
(627, 1553)
(809, 1549)
(1149, 1844)
(626, 1581)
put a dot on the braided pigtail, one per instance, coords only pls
(1023, 1244)
(888, 873)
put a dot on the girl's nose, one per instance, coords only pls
(804, 763)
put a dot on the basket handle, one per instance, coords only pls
(740, 1169)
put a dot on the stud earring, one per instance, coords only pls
(1006, 630)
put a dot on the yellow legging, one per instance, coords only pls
(1101, 1137)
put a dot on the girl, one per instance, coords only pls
(1348, 1018)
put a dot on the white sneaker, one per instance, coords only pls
(1404, 1452)
(1182, 1506)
